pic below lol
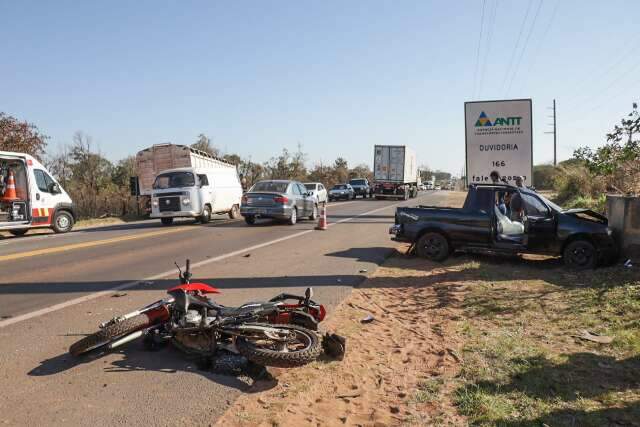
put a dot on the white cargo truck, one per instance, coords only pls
(177, 181)
(395, 172)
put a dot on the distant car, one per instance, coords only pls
(317, 190)
(423, 187)
(278, 199)
(438, 188)
(361, 187)
(341, 191)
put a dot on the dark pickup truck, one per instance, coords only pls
(485, 223)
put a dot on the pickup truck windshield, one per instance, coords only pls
(272, 187)
(550, 203)
(174, 180)
(358, 182)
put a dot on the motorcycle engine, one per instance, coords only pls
(191, 319)
(194, 342)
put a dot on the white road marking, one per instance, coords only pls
(128, 285)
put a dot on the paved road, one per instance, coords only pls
(56, 288)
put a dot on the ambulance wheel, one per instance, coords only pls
(62, 222)
(20, 232)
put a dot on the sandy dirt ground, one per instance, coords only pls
(396, 371)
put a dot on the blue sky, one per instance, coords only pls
(335, 76)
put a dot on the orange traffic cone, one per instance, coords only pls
(322, 222)
(10, 192)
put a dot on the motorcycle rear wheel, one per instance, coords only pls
(109, 334)
(283, 358)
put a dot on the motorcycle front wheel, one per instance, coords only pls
(304, 347)
(109, 334)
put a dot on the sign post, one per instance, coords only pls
(499, 137)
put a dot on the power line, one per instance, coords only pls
(582, 93)
(542, 39)
(492, 19)
(625, 91)
(515, 48)
(475, 74)
(524, 47)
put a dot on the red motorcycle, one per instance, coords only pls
(279, 332)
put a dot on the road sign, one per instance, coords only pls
(498, 137)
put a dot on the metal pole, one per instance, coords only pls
(555, 137)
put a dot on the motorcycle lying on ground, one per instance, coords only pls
(278, 333)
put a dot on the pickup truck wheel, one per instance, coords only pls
(166, 221)
(250, 220)
(580, 255)
(433, 246)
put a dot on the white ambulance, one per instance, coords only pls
(30, 197)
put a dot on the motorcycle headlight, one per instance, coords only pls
(154, 202)
(186, 201)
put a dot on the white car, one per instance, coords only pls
(317, 190)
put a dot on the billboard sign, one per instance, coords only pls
(498, 137)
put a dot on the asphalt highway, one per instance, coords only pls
(56, 288)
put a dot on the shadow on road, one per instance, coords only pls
(221, 283)
(168, 360)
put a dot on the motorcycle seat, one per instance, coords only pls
(248, 309)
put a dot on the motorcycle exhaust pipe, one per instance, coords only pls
(125, 340)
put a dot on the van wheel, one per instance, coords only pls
(166, 221)
(20, 232)
(62, 222)
(250, 220)
(433, 246)
(580, 255)
(206, 215)
(234, 213)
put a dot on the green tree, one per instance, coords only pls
(618, 161)
(21, 137)
(203, 143)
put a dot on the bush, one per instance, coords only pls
(572, 182)
(544, 176)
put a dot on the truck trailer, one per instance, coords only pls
(395, 172)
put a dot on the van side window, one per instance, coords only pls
(204, 181)
(42, 180)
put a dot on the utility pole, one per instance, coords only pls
(555, 134)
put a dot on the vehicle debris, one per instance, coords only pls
(589, 336)
(368, 319)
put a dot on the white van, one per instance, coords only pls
(31, 198)
(196, 193)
